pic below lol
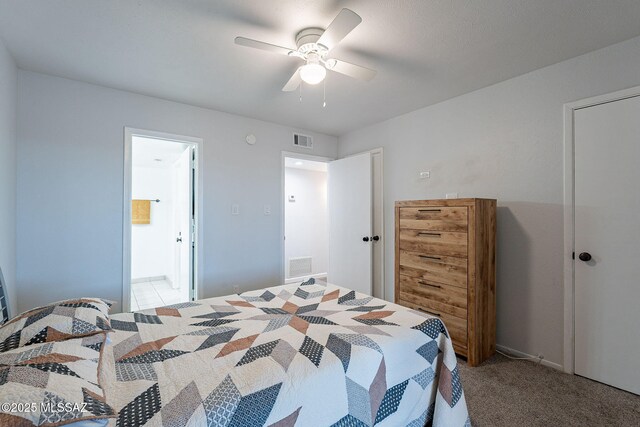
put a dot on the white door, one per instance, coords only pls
(607, 228)
(184, 223)
(349, 204)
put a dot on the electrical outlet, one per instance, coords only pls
(235, 209)
(452, 195)
(424, 175)
(267, 209)
(236, 289)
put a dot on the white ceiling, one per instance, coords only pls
(155, 153)
(425, 51)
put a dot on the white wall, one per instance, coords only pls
(70, 189)
(152, 245)
(504, 142)
(306, 218)
(8, 106)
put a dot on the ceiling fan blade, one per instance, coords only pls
(293, 82)
(342, 25)
(352, 70)
(243, 41)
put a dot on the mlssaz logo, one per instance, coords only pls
(62, 407)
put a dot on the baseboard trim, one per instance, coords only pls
(516, 353)
(304, 278)
(150, 279)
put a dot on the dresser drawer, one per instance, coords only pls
(434, 242)
(441, 269)
(456, 326)
(434, 218)
(453, 298)
(430, 299)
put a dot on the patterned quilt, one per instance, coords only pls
(312, 354)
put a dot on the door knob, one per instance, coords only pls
(375, 238)
(365, 239)
(585, 256)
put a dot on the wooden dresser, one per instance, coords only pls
(446, 266)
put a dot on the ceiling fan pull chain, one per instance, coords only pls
(324, 93)
(300, 91)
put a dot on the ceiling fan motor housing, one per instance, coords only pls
(306, 41)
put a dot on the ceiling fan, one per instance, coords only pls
(313, 47)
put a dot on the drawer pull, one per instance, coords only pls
(429, 284)
(429, 210)
(428, 312)
(424, 233)
(430, 257)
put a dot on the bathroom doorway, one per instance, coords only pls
(162, 222)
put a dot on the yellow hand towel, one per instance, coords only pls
(140, 212)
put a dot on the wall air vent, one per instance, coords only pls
(304, 141)
(300, 266)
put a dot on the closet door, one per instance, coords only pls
(607, 243)
(349, 197)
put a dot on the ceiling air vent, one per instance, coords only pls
(304, 141)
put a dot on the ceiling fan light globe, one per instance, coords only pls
(312, 73)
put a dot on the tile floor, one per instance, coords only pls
(153, 294)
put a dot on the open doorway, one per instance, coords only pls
(306, 241)
(160, 249)
(333, 220)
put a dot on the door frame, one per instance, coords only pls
(196, 142)
(293, 155)
(569, 214)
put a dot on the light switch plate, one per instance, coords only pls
(267, 209)
(424, 175)
(235, 209)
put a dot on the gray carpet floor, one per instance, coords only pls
(505, 392)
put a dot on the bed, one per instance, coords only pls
(311, 354)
